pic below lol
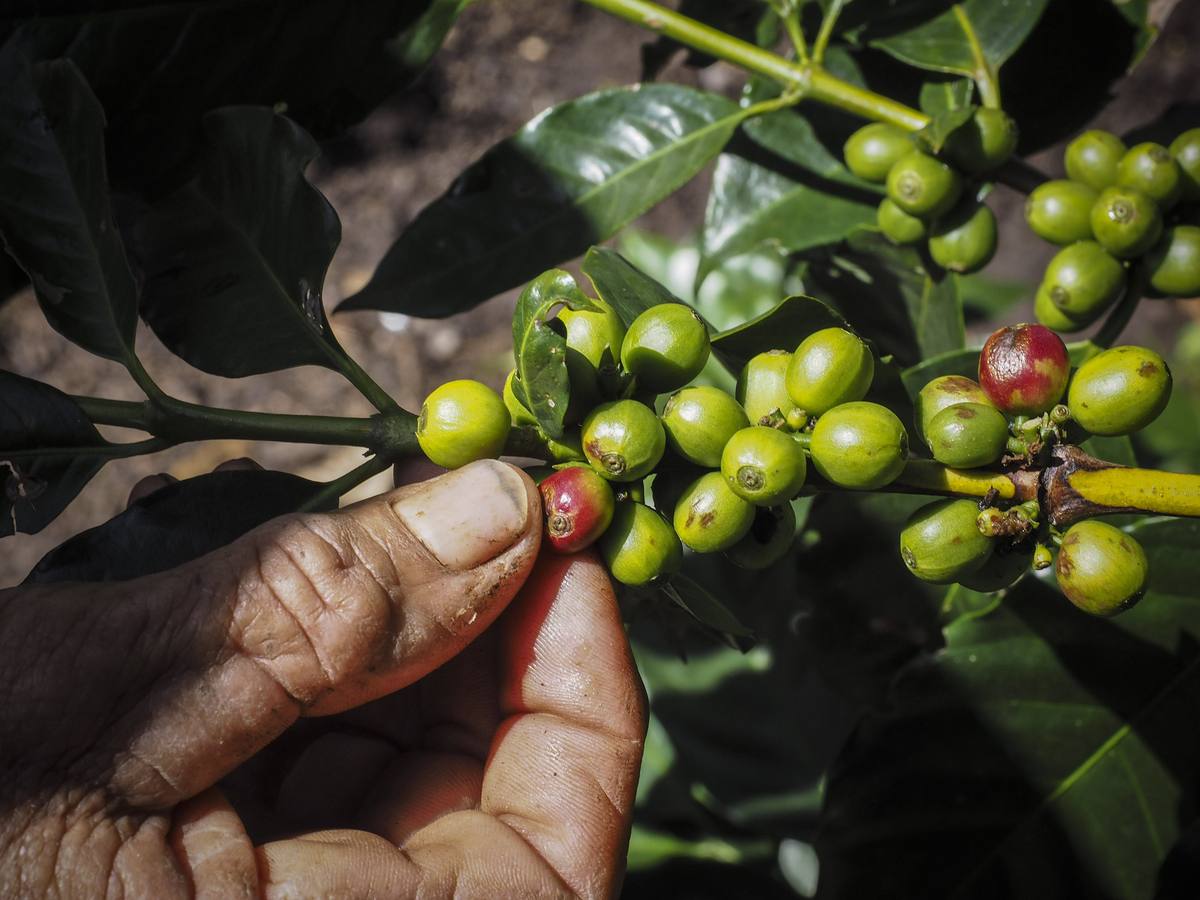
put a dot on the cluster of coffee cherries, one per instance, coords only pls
(1118, 206)
(931, 198)
(1012, 416)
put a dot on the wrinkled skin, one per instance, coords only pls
(329, 706)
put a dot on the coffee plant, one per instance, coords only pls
(917, 618)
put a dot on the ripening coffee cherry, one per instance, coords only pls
(623, 440)
(964, 240)
(639, 545)
(1119, 391)
(699, 420)
(762, 386)
(1101, 569)
(710, 517)
(1151, 169)
(944, 391)
(768, 540)
(862, 446)
(1125, 221)
(1083, 280)
(983, 143)
(1186, 150)
(1001, 570)
(578, 505)
(1174, 262)
(516, 409)
(1060, 211)
(941, 542)
(589, 335)
(462, 421)
(871, 151)
(968, 435)
(1093, 157)
(665, 347)
(1024, 369)
(923, 186)
(764, 466)
(830, 367)
(898, 226)
(1050, 315)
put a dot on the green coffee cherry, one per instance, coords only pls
(762, 386)
(968, 435)
(623, 440)
(941, 542)
(1083, 280)
(1186, 150)
(1101, 569)
(1093, 157)
(923, 186)
(699, 420)
(1125, 221)
(1174, 262)
(516, 409)
(964, 241)
(1151, 169)
(1119, 391)
(639, 545)
(871, 151)
(665, 347)
(862, 446)
(768, 540)
(1050, 315)
(983, 143)
(898, 226)
(710, 517)
(460, 422)
(1001, 570)
(944, 391)
(1060, 211)
(830, 367)
(589, 335)
(764, 466)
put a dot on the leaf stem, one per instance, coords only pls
(366, 385)
(107, 451)
(1122, 313)
(789, 12)
(985, 76)
(826, 32)
(334, 490)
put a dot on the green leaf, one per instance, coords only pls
(175, 525)
(944, 95)
(782, 328)
(934, 135)
(55, 216)
(235, 261)
(38, 484)
(623, 286)
(571, 177)
(989, 297)
(540, 347)
(417, 44)
(955, 362)
(706, 609)
(1043, 753)
(1137, 14)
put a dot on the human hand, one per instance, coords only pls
(336, 673)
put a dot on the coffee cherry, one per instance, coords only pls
(923, 186)
(944, 391)
(768, 540)
(862, 446)
(710, 517)
(1126, 221)
(1060, 211)
(941, 542)
(964, 240)
(764, 466)
(639, 545)
(830, 367)
(1101, 569)
(762, 386)
(578, 505)
(1023, 369)
(871, 151)
(1050, 315)
(589, 335)
(623, 440)
(665, 347)
(1093, 157)
(1001, 570)
(1120, 391)
(968, 435)
(1174, 262)
(1083, 280)
(699, 420)
(898, 226)
(460, 422)
(1151, 169)
(1186, 150)
(516, 409)
(983, 143)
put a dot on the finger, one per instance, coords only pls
(241, 464)
(213, 849)
(149, 485)
(413, 470)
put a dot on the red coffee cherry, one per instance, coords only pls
(1024, 369)
(578, 505)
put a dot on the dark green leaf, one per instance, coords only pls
(989, 297)
(235, 261)
(782, 328)
(955, 362)
(622, 285)
(35, 419)
(175, 525)
(1137, 13)
(705, 608)
(417, 44)
(1114, 449)
(55, 215)
(934, 135)
(942, 96)
(571, 177)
